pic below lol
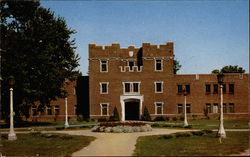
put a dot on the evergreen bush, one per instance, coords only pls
(146, 115)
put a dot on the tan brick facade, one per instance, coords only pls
(124, 77)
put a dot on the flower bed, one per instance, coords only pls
(119, 127)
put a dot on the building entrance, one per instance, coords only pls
(132, 110)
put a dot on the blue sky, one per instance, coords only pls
(207, 35)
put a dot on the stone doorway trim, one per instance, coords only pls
(123, 98)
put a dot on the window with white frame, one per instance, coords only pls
(104, 109)
(158, 65)
(131, 87)
(159, 108)
(159, 87)
(104, 87)
(215, 108)
(104, 66)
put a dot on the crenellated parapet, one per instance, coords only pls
(131, 69)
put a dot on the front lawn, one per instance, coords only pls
(208, 145)
(35, 144)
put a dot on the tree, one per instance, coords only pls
(38, 52)
(177, 66)
(146, 115)
(229, 69)
(115, 116)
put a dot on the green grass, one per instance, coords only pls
(43, 144)
(210, 123)
(208, 145)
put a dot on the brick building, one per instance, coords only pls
(134, 78)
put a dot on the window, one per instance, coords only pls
(158, 87)
(104, 66)
(215, 108)
(49, 111)
(104, 87)
(188, 108)
(224, 88)
(179, 108)
(158, 65)
(131, 64)
(187, 87)
(179, 86)
(159, 108)
(104, 109)
(231, 88)
(224, 108)
(131, 87)
(208, 108)
(57, 109)
(208, 88)
(231, 107)
(34, 110)
(215, 88)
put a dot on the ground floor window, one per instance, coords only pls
(34, 110)
(158, 108)
(224, 108)
(188, 108)
(231, 107)
(208, 108)
(57, 109)
(215, 108)
(104, 109)
(179, 108)
(49, 111)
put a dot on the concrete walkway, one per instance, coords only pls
(113, 144)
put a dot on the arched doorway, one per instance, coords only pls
(132, 109)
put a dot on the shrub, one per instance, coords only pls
(167, 126)
(197, 133)
(102, 120)
(167, 118)
(188, 127)
(115, 116)
(80, 118)
(177, 126)
(194, 116)
(159, 118)
(146, 115)
(167, 136)
(207, 131)
(174, 119)
(59, 128)
(177, 135)
(155, 125)
(182, 118)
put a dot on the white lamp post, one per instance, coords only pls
(11, 135)
(66, 125)
(185, 107)
(221, 132)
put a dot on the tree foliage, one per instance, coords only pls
(177, 66)
(115, 116)
(146, 116)
(229, 69)
(37, 51)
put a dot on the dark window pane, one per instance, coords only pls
(158, 87)
(208, 108)
(215, 88)
(188, 108)
(49, 111)
(57, 110)
(179, 88)
(131, 64)
(104, 109)
(104, 88)
(208, 88)
(224, 108)
(136, 87)
(187, 88)
(158, 65)
(34, 110)
(104, 65)
(127, 87)
(224, 88)
(159, 108)
(231, 88)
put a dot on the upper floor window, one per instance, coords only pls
(158, 65)
(158, 108)
(231, 88)
(104, 109)
(104, 66)
(159, 87)
(215, 88)
(208, 88)
(131, 87)
(187, 88)
(104, 87)
(179, 86)
(131, 64)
